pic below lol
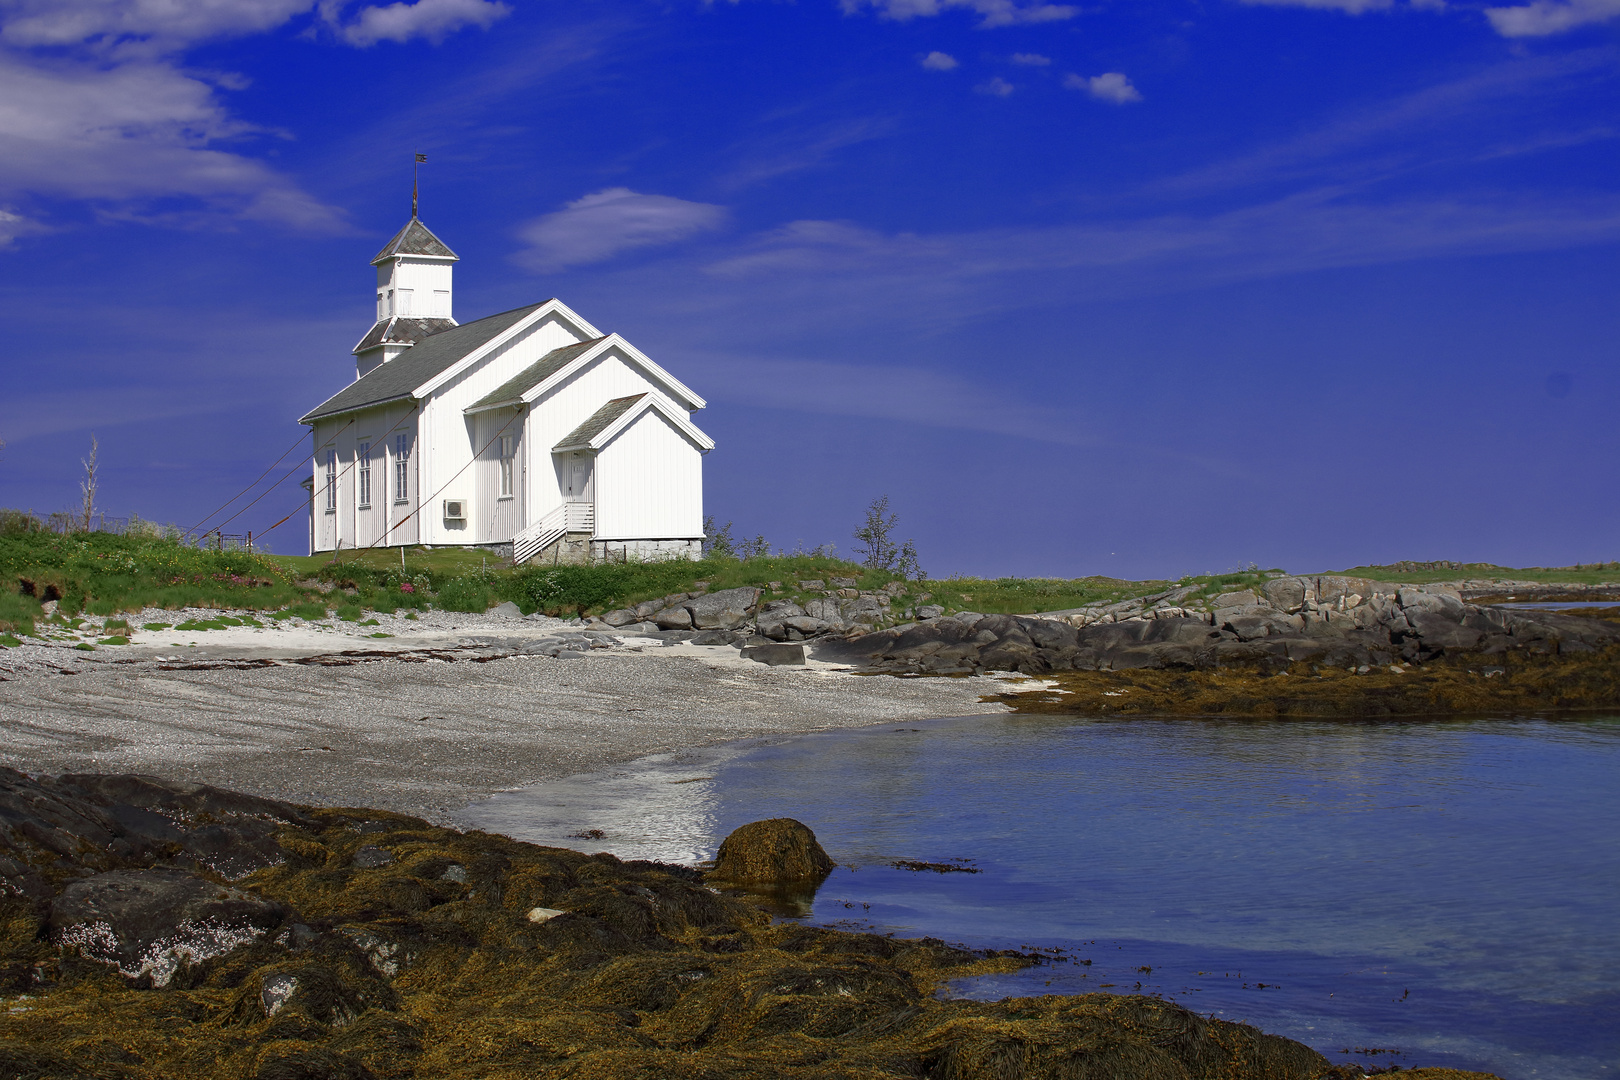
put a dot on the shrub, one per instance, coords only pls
(465, 594)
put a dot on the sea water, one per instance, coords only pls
(1444, 892)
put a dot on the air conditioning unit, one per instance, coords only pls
(455, 509)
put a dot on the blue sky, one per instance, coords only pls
(1140, 289)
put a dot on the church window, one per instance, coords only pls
(365, 474)
(507, 447)
(331, 481)
(402, 459)
(441, 303)
(381, 310)
(405, 305)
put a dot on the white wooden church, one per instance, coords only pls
(530, 428)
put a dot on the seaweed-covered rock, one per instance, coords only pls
(432, 965)
(149, 923)
(771, 852)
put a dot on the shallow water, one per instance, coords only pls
(1441, 892)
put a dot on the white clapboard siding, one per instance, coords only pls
(556, 415)
(452, 437)
(497, 520)
(649, 483)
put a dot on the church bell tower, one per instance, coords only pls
(413, 295)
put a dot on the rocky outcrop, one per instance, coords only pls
(1334, 621)
(777, 851)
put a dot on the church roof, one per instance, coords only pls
(512, 390)
(598, 422)
(430, 356)
(415, 239)
(397, 331)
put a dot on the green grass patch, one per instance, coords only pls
(84, 647)
(103, 573)
(116, 639)
(10, 641)
(1426, 573)
(350, 613)
(380, 635)
(310, 611)
(115, 624)
(156, 626)
(371, 622)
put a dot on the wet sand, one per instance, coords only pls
(448, 710)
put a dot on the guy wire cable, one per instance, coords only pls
(247, 489)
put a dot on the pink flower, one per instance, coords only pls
(407, 587)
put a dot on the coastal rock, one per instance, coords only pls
(723, 610)
(506, 610)
(674, 618)
(149, 923)
(1285, 594)
(774, 655)
(621, 617)
(1240, 598)
(772, 852)
(930, 611)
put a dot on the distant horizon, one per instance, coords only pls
(1101, 291)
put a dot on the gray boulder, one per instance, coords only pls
(149, 923)
(844, 582)
(723, 610)
(506, 610)
(674, 618)
(1285, 594)
(812, 585)
(621, 617)
(930, 611)
(1240, 598)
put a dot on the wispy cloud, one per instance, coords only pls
(992, 13)
(1113, 86)
(1545, 17)
(1029, 59)
(430, 19)
(958, 276)
(768, 156)
(1468, 119)
(885, 392)
(135, 131)
(995, 86)
(107, 23)
(938, 61)
(97, 106)
(601, 225)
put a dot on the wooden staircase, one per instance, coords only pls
(564, 518)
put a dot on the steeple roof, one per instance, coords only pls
(415, 239)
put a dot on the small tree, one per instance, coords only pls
(718, 543)
(875, 542)
(88, 486)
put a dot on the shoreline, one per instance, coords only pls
(452, 709)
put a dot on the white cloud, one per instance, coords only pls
(602, 224)
(102, 111)
(995, 86)
(938, 61)
(1546, 17)
(104, 22)
(431, 19)
(1029, 59)
(991, 12)
(132, 132)
(1113, 86)
(14, 225)
(1352, 7)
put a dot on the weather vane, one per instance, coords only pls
(416, 169)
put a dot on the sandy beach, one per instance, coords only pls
(448, 709)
